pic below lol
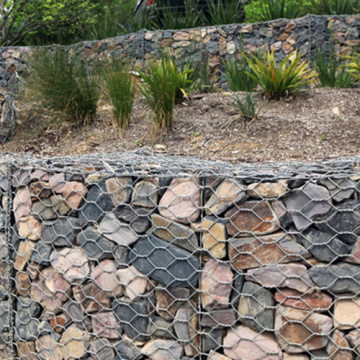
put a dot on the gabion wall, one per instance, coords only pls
(138, 256)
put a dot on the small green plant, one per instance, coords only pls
(248, 106)
(353, 67)
(287, 78)
(120, 86)
(164, 85)
(335, 7)
(201, 76)
(223, 12)
(64, 83)
(330, 71)
(237, 74)
(276, 9)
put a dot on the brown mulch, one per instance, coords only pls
(315, 125)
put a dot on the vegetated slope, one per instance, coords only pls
(315, 125)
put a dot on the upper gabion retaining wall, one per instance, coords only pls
(139, 256)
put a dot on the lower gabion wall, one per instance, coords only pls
(147, 257)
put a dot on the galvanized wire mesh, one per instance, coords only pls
(142, 256)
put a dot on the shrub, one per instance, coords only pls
(279, 81)
(353, 67)
(335, 7)
(221, 12)
(120, 85)
(248, 106)
(237, 74)
(330, 72)
(164, 86)
(64, 83)
(276, 9)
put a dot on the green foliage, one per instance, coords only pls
(164, 85)
(353, 67)
(64, 84)
(223, 12)
(335, 7)
(120, 86)
(279, 81)
(330, 72)
(237, 74)
(248, 106)
(201, 76)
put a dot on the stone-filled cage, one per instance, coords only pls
(143, 256)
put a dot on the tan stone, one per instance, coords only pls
(267, 190)
(24, 253)
(73, 192)
(75, 342)
(48, 348)
(133, 280)
(104, 276)
(39, 190)
(181, 36)
(214, 237)
(22, 284)
(30, 228)
(216, 356)
(347, 312)
(336, 346)
(26, 350)
(295, 357)
(119, 189)
(22, 203)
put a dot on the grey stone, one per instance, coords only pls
(4, 316)
(49, 209)
(97, 203)
(238, 283)
(73, 311)
(133, 318)
(127, 351)
(212, 339)
(26, 319)
(323, 246)
(219, 318)
(41, 254)
(158, 327)
(339, 278)
(101, 349)
(60, 232)
(121, 256)
(96, 246)
(138, 217)
(165, 262)
(21, 178)
(145, 193)
(340, 189)
(255, 307)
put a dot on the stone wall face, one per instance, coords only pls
(146, 257)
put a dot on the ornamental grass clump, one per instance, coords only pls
(164, 85)
(335, 7)
(64, 84)
(353, 67)
(247, 106)
(281, 80)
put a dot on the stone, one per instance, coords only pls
(23, 255)
(58, 322)
(101, 349)
(212, 339)
(41, 254)
(75, 342)
(39, 190)
(26, 350)
(60, 232)
(296, 357)
(306, 203)
(323, 246)
(293, 276)
(219, 318)
(336, 346)
(22, 203)
(73, 192)
(266, 190)
(29, 228)
(49, 209)
(48, 348)
(91, 298)
(214, 236)
(21, 178)
(256, 307)
(116, 231)
(174, 233)
(164, 262)
(318, 301)
(119, 189)
(97, 203)
(160, 328)
(241, 343)
(354, 339)
(182, 201)
(136, 216)
(121, 256)
(169, 300)
(160, 349)
(186, 329)
(73, 311)
(133, 317)
(340, 188)
(133, 281)
(215, 285)
(342, 221)
(354, 256)
(26, 319)
(216, 356)
(252, 218)
(337, 278)
(299, 331)
(33, 270)
(252, 252)
(145, 193)
(95, 246)
(104, 276)
(57, 181)
(346, 312)
(72, 263)
(228, 193)
(127, 350)
(104, 325)
(22, 284)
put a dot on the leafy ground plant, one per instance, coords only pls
(353, 67)
(276, 9)
(64, 83)
(281, 80)
(248, 106)
(164, 85)
(120, 85)
(335, 7)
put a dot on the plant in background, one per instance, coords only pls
(237, 74)
(335, 7)
(165, 85)
(202, 78)
(353, 67)
(120, 85)
(276, 9)
(64, 83)
(285, 79)
(248, 106)
(221, 12)
(330, 71)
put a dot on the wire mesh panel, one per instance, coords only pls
(142, 256)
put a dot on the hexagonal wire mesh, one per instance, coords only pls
(138, 255)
